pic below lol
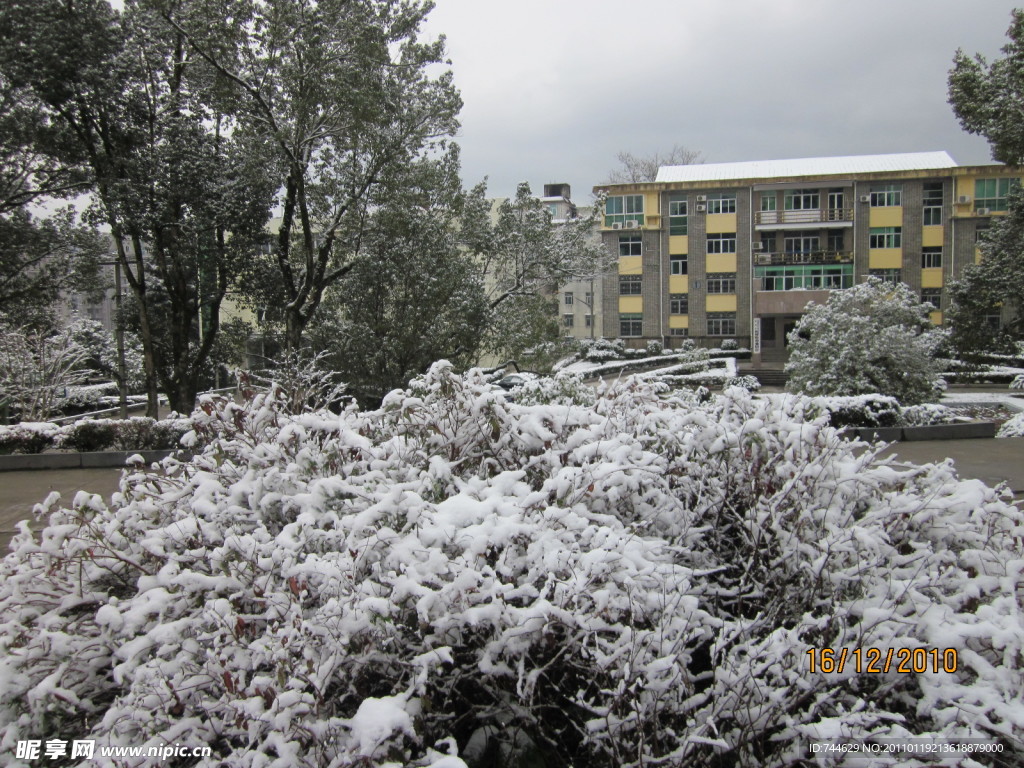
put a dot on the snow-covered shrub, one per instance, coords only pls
(873, 338)
(859, 410)
(561, 389)
(747, 382)
(926, 414)
(729, 345)
(90, 435)
(27, 437)
(1018, 382)
(654, 348)
(636, 582)
(1012, 427)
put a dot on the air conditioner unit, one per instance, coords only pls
(757, 246)
(701, 208)
(616, 225)
(631, 224)
(963, 200)
(865, 198)
(983, 211)
(702, 198)
(763, 258)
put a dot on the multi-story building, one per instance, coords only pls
(579, 302)
(737, 250)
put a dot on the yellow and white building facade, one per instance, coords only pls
(737, 250)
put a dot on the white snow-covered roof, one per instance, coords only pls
(806, 166)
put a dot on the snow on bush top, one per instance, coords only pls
(631, 582)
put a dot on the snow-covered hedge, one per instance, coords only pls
(137, 433)
(633, 582)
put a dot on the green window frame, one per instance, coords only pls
(885, 237)
(769, 201)
(886, 195)
(931, 203)
(623, 208)
(816, 277)
(678, 219)
(992, 193)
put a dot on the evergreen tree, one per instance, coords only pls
(989, 101)
(873, 338)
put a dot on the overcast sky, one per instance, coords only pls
(554, 90)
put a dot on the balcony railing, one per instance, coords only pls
(814, 257)
(811, 216)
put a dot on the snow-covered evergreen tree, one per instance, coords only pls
(873, 338)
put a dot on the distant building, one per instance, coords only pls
(580, 305)
(736, 250)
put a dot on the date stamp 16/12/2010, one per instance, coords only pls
(882, 660)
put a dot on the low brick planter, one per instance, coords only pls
(90, 460)
(964, 431)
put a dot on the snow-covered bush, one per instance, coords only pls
(1012, 427)
(27, 437)
(561, 389)
(729, 345)
(1018, 382)
(634, 582)
(747, 382)
(859, 410)
(654, 347)
(926, 414)
(873, 338)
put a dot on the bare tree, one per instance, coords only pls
(634, 168)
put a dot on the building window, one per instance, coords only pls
(768, 242)
(631, 245)
(825, 277)
(677, 217)
(589, 301)
(802, 200)
(630, 285)
(568, 298)
(679, 303)
(723, 202)
(993, 320)
(678, 264)
(721, 282)
(932, 296)
(836, 204)
(887, 275)
(721, 323)
(885, 237)
(932, 202)
(678, 331)
(768, 201)
(624, 210)
(931, 257)
(886, 195)
(722, 243)
(801, 243)
(631, 325)
(568, 320)
(980, 235)
(992, 193)
(836, 240)
(588, 320)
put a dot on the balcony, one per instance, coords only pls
(814, 257)
(828, 217)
